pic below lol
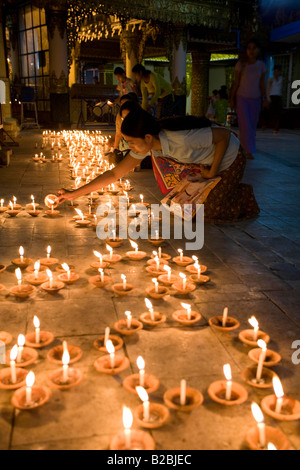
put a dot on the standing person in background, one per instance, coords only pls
(156, 91)
(221, 106)
(125, 84)
(274, 96)
(247, 93)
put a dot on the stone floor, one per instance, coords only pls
(254, 268)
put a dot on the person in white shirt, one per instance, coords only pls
(184, 146)
(274, 96)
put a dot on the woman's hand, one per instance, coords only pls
(205, 172)
(64, 195)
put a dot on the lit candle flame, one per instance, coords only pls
(257, 413)
(66, 358)
(227, 371)
(140, 363)
(36, 322)
(134, 245)
(30, 379)
(65, 267)
(18, 274)
(109, 346)
(148, 304)
(261, 343)
(142, 393)
(37, 265)
(127, 417)
(253, 322)
(14, 353)
(277, 387)
(21, 340)
(21, 251)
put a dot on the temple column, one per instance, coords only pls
(4, 79)
(200, 80)
(176, 51)
(58, 65)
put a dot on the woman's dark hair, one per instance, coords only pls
(223, 94)
(138, 122)
(130, 96)
(119, 71)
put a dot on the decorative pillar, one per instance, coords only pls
(132, 43)
(176, 52)
(58, 64)
(200, 79)
(4, 80)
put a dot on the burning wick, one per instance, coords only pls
(279, 394)
(48, 251)
(180, 253)
(228, 377)
(127, 422)
(67, 269)
(50, 275)
(111, 351)
(21, 342)
(168, 269)
(21, 252)
(101, 273)
(36, 323)
(129, 318)
(259, 418)
(124, 281)
(30, 379)
(18, 274)
(146, 404)
(183, 277)
(13, 356)
(151, 311)
(141, 365)
(154, 280)
(262, 356)
(253, 322)
(188, 309)
(65, 361)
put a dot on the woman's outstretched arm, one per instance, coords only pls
(109, 177)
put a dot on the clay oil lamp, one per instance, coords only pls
(194, 268)
(133, 211)
(260, 377)
(31, 396)
(113, 190)
(2, 207)
(11, 211)
(182, 286)
(182, 260)
(123, 288)
(55, 354)
(12, 377)
(100, 342)
(81, 221)
(100, 264)
(157, 292)
(101, 280)
(34, 212)
(5, 337)
(183, 398)
(226, 392)
(279, 406)
(131, 439)
(36, 158)
(135, 255)
(257, 438)
(198, 278)
(37, 277)
(157, 240)
(52, 286)
(68, 277)
(156, 268)
(147, 381)
(272, 358)
(169, 278)
(22, 262)
(37, 338)
(250, 337)
(128, 326)
(111, 363)
(21, 290)
(187, 316)
(155, 256)
(111, 258)
(25, 355)
(51, 202)
(162, 256)
(114, 241)
(150, 415)
(224, 322)
(15, 205)
(152, 318)
(65, 377)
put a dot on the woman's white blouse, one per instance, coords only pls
(193, 146)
